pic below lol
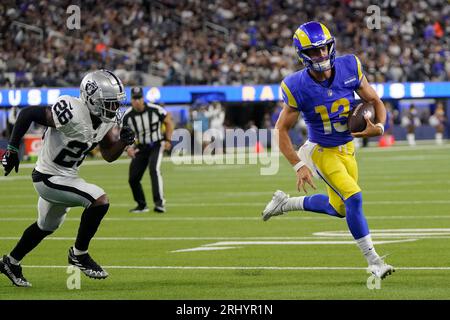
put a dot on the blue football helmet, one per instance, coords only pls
(313, 35)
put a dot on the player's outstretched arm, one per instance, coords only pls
(111, 146)
(368, 94)
(287, 119)
(27, 115)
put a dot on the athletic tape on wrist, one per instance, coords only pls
(12, 148)
(380, 125)
(298, 166)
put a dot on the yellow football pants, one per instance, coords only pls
(338, 168)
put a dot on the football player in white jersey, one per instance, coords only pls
(75, 126)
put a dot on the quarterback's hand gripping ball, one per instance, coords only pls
(357, 119)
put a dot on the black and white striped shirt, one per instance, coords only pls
(146, 124)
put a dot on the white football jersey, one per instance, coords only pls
(65, 147)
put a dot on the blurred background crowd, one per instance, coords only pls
(172, 42)
(225, 42)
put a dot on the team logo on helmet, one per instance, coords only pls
(91, 87)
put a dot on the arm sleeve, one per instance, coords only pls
(26, 117)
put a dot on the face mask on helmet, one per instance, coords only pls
(313, 58)
(110, 109)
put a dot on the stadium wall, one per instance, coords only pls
(247, 94)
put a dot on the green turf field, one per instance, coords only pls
(215, 212)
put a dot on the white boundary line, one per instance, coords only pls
(222, 245)
(237, 268)
(377, 237)
(180, 238)
(251, 204)
(169, 218)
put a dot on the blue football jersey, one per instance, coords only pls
(325, 108)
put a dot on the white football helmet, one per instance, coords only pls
(104, 94)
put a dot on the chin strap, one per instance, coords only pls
(321, 66)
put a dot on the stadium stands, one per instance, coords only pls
(214, 42)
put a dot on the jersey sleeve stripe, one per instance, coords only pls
(291, 100)
(358, 63)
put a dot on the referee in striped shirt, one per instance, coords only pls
(146, 120)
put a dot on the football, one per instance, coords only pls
(356, 120)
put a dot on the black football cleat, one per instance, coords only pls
(159, 209)
(87, 265)
(13, 272)
(139, 209)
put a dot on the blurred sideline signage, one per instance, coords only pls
(33, 143)
(189, 94)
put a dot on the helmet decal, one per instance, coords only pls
(91, 87)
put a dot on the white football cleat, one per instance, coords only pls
(274, 207)
(381, 270)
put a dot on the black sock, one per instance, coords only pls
(90, 220)
(31, 237)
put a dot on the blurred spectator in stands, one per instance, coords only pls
(276, 113)
(267, 121)
(387, 139)
(200, 123)
(216, 41)
(439, 121)
(389, 125)
(216, 131)
(301, 129)
(411, 121)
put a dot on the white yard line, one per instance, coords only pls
(177, 238)
(253, 204)
(257, 218)
(352, 242)
(235, 268)
(387, 233)
(222, 245)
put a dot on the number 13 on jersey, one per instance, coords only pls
(343, 107)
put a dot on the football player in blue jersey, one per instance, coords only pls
(323, 93)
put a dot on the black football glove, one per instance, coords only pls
(127, 135)
(10, 160)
